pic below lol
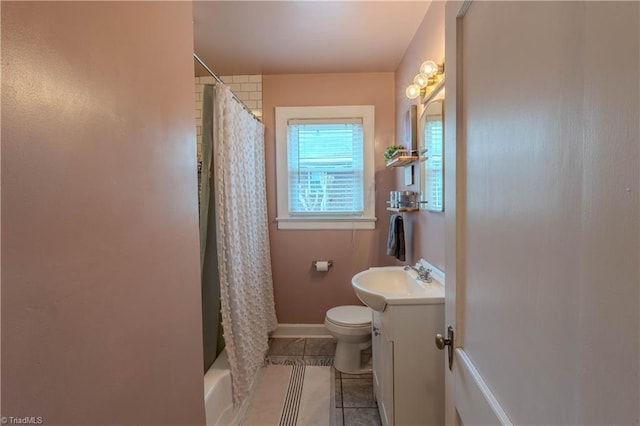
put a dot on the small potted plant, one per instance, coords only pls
(392, 150)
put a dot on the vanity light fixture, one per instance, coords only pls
(413, 91)
(421, 80)
(430, 74)
(430, 68)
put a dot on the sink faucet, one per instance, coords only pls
(424, 274)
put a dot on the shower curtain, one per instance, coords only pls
(244, 258)
(212, 340)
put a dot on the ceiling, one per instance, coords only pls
(302, 37)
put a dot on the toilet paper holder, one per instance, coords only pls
(314, 262)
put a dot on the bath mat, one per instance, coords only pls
(286, 360)
(292, 395)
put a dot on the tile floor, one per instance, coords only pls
(355, 403)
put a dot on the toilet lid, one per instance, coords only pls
(350, 316)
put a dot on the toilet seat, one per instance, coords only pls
(350, 316)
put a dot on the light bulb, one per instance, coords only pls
(413, 91)
(429, 68)
(421, 80)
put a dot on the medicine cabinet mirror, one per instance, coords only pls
(431, 148)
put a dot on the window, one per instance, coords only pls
(325, 166)
(325, 173)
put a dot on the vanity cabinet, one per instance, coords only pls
(408, 369)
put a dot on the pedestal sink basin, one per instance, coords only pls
(392, 285)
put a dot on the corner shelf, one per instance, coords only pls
(403, 209)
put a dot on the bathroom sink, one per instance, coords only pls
(392, 285)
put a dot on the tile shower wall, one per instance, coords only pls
(248, 88)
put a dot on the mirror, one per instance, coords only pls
(431, 148)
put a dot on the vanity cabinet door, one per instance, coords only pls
(382, 352)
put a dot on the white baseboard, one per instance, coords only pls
(301, 330)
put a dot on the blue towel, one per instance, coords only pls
(395, 240)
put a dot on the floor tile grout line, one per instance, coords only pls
(360, 406)
(342, 396)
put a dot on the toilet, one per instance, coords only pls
(351, 327)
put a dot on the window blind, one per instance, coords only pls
(326, 163)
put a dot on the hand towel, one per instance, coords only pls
(400, 239)
(395, 239)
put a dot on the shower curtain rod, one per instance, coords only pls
(215, 76)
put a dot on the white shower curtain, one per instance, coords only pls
(246, 285)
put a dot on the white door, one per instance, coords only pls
(468, 398)
(541, 200)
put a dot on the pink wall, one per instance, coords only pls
(302, 295)
(101, 319)
(426, 229)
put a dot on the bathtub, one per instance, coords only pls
(218, 402)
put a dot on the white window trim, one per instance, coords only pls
(285, 220)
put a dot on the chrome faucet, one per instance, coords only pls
(424, 274)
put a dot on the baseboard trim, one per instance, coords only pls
(301, 330)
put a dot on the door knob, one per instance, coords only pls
(441, 342)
